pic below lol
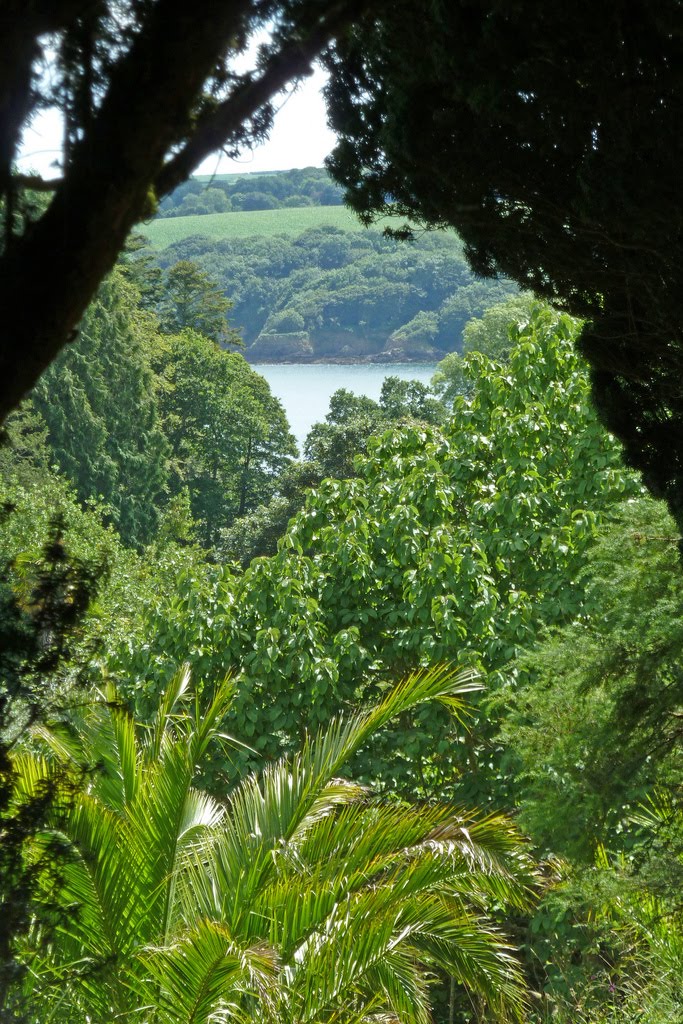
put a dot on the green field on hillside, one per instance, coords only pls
(291, 221)
(234, 176)
(209, 178)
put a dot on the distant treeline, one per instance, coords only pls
(333, 294)
(311, 186)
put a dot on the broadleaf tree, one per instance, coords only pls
(455, 543)
(229, 435)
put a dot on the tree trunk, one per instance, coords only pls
(51, 273)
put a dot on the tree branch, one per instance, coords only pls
(292, 62)
(52, 272)
(36, 183)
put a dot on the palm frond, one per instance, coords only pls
(291, 795)
(206, 978)
(304, 900)
(404, 985)
(174, 692)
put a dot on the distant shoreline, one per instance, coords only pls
(370, 361)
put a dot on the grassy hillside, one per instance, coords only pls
(234, 176)
(208, 179)
(292, 221)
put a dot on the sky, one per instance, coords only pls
(300, 138)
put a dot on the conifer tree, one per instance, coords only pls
(101, 409)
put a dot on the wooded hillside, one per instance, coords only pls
(337, 295)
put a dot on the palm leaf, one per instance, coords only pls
(206, 976)
(305, 900)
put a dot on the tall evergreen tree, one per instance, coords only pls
(192, 298)
(100, 405)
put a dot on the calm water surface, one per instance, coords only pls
(305, 390)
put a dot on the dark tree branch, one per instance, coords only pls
(292, 62)
(36, 183)
(53, 271)
(21, 24)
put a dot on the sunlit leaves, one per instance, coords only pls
(303, 899)
(454, 544)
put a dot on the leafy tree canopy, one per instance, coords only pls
(596, 720)
(99, 403)
(154, 429)
(455, 543)
(331, 449)
(593, 737)
(229, 435)
(311, 186)
(548, 136)
(493, 334)
(348, 293)
(191, 298)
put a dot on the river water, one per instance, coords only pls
(305, 389)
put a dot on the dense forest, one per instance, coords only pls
(192, 616)
(328, 293)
